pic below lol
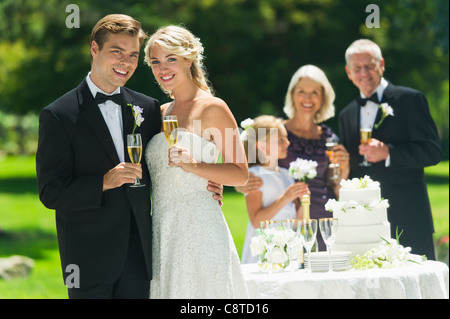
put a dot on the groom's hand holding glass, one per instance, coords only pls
(123, 173)
(375, 151)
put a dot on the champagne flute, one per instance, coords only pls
(330, 143)
(294, 242)
(328, 228)
(134, 146)
(308, 232)
(170, 125)
(267, 227)
(365, 136)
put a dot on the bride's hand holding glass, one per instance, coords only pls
(179, 156)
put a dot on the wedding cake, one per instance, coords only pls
(361, 214)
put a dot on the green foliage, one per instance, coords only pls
(18, 134)
(252, 48)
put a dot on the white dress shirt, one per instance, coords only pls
(369, 111)
(112, 113)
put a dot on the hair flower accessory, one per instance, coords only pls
(386, 110)
(137, 113)
(246, 124)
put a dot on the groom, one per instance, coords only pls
(403, 143)
(84, 171)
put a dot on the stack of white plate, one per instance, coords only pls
(320, 260)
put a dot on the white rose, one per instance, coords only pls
(277, 256)
(281, 237)
(257, 245)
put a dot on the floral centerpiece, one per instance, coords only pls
(275, 247)
(303, 170)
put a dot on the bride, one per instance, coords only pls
(194, 255)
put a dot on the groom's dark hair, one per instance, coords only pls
(116, 23)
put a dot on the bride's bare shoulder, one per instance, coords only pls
(165, 107)
(214, 106)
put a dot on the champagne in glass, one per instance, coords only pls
(134, 146)
(328, 229)
(365, 136)
(170, 125)
(330, 143)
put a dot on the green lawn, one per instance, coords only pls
(30, 227)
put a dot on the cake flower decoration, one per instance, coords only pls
(388, 255)
(386, 110)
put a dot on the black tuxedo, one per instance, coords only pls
(413, 142)
(75, 150)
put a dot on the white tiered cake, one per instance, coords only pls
(361, 214)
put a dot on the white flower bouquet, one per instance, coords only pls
(275, 247)
(303, 170)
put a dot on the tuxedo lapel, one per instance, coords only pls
(386, 98)
(91, 113)
(127, 119)
(377, 119)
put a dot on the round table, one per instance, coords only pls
(412, 281)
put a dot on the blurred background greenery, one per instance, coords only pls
(252, 49)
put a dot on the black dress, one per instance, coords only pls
(312, 149)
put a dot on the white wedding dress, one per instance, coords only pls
(194, 255)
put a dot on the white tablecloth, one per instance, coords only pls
(428, 280)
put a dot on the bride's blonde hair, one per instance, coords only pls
(181, 42)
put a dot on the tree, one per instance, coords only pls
(252, 47)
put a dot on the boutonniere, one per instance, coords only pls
(386, 110)
(137, 113)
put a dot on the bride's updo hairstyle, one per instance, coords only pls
(179, 41)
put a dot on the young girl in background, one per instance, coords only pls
(278, 197)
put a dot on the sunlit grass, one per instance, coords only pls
(30, 227)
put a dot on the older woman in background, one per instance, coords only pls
(308, 103)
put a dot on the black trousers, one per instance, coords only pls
(133, 283)
(420, 244)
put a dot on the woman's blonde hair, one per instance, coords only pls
(181, 42)
(326, 110)
(261, 130)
